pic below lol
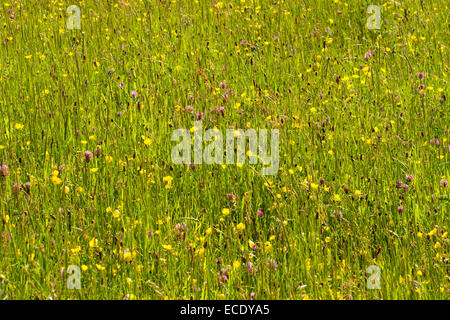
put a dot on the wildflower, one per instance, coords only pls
(225, 211)
(127, 256)
(100, 267)
(368, 55)
(134, 94)
(88, 156)
(409, 178)
(4, 170)
(189, 109)
(432, 232)
(98, 151)
(93, 243)
(167, 247)
(400, 209)
(443, 183)
(337, 197)
(236, 264)
(116, 213)
(421, 75)
(260, 213)
(337, 214)
(168, 181)
(240, 226)
(27, 187)
(18, 126)
(252, 296)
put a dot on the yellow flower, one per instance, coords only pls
(18, 126)
(208, 231)
(76, 249)
(168, 181)
(93, 243)
(337, 197)
(236, 264)
(240, 226)
(127, 256)
(84, 267)
(116, 213)
(268, 246)
(147, 141)
(55, 180)
(168, 247)
(108, 159)
(225, 211)
(432, 232)
(94, 170)
(100, 267)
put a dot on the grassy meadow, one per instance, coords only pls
(87, 179)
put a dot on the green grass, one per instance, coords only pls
(296, 66)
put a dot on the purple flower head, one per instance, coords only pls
(409, 178)
(337, 214)
(399, 184)
(27, 187)
(88, 156)
(122, 85)
(260, 213)
(134, 94)
(421, 75)
(4, 170)
(189, 109)
(199, 116)
(400, 209)
(98, 152)
(223, 84)
(368, 55)
(443, 183)
(252, 296)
